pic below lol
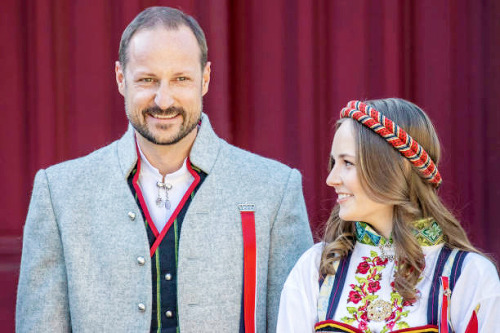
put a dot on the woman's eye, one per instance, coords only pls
(347, 163)
(331, 164)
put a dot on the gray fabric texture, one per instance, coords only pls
(79, 268)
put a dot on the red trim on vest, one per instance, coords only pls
(351, 329)
(420, 329)
(443, 325)
(159, 236)
(336, 324)
(249, 269)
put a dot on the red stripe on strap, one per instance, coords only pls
(249, 269)
(443, 325)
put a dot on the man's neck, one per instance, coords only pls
(167, 158)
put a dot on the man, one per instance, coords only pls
(169, 228)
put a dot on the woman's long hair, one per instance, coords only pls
(390, 178)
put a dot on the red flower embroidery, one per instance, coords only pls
(363, 267)
(379, 262)
(369, 284)
(409, 303)
(354, 297)
(373, 286)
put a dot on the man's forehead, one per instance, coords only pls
(163, 34)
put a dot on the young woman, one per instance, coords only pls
(393, 258)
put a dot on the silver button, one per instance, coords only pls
(131, 215)
(169, 314)
(141, 261)
(141, 307)
(168, 276)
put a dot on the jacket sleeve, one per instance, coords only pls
(42, 295)
(290, 238)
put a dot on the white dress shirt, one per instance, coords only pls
(149, 176)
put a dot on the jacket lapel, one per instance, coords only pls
(127, 154)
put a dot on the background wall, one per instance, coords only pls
(281, 72)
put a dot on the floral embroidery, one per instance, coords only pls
(427, 232)
(368, 276)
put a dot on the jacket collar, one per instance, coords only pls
(203, 154)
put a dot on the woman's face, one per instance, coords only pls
(355, 205)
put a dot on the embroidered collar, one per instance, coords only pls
(427, 232)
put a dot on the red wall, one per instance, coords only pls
(281, 72)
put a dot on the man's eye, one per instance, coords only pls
(147, 79)
(182, 78)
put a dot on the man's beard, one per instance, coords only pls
(186, 126)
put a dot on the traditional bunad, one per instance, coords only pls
(361, 296)
(457, 291)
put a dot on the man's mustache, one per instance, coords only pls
(156, 110)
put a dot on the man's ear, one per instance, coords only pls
(206, 79)
(120, 77)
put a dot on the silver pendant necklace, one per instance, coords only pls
(163, 187)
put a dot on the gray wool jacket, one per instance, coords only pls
(84, 234)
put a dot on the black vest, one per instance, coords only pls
(164, 245)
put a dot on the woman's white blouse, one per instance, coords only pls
(478, 284)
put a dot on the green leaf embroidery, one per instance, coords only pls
(351, 310)
(361, 280)
(347, 320)
(402, 325)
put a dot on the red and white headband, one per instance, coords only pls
(396, 136)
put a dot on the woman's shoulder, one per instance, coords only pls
(313, 252)
(307, 267)
(480, 266)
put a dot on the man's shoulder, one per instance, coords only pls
(98, 159)
(246, 160)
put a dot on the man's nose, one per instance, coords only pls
(164, 98)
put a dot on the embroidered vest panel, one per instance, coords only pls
(449, 264)
(164, 247)
(368, 306)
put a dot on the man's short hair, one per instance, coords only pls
(169, 18)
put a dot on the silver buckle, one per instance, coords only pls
(246, 207)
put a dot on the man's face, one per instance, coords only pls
(163, 84)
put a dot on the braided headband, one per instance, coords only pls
(396, 136)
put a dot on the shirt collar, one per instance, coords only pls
(427, 232)
(148, 168)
